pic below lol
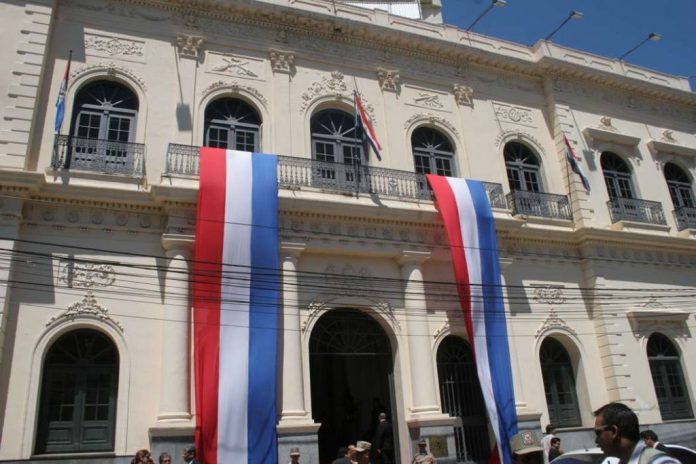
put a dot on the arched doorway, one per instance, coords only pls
(78, 394)
(461, 397)
(351, 366)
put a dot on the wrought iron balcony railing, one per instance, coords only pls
(630, 209)
(685, 217)
(295, 172)
(95, 155)
(546, 205)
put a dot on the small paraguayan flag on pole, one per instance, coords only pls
(60, 103)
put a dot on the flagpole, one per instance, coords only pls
(356, 160)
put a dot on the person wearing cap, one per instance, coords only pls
(294, 456)
(423, 456)
(189, 454)
(362, 452)
(526, 448)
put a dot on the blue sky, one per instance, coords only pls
(608, 28)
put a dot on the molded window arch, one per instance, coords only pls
(679, 184)
(617, 176)
(231, 123)
(77, 411)
(105, 110)
(559, 384)
(523, 167)
(668, 379)
(433, 152)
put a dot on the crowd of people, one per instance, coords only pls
(143, 456)
(616, 431)
(617, 434)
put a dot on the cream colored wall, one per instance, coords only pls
(506, 105)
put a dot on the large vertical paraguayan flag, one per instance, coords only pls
(235, 297)
(60, 102)
(467, 215)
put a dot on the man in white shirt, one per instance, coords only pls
(546, 441)
(616, 429)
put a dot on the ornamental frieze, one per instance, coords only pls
(87, 308)
(91, 217)
(235, 66)
(433, 119)
(107, 69)
(78, 274)
(513, 114)
(235, 87)
(114, 47)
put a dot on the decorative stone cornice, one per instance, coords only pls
(427, 41)
(282, 62)
(235, 87)
(554, 323)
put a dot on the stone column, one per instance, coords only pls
(423, 383)
(293, 404)
(175, 404)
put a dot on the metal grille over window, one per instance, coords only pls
(668, 379)
(462, 399)
(559, 384)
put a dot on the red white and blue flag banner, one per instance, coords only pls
(235, 297)
(363, 122)
(575, 164)
(466, 212)
(60, 102)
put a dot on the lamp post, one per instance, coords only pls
(573, 15)
(654, 36)
(490, 7)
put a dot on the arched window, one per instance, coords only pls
(105, 110)
(334, 138)
(78, 394)
(559, 384)
(522, 167)
(232, 123)
(460, 393)
(617, 176)
(668, 379)
(432, 152)
(679, 185)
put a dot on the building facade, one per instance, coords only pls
(98, 222)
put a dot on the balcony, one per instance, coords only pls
(630, 209)
(297, 173)
(101, 156)
(545, 205)
(685, 217)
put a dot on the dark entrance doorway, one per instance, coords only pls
(350, 363)
(462, 398)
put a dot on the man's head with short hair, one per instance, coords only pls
(649, 437)
(165, 458)
(616, 430)
(382, 416)
(555, 441)
(189, 453)
(550, 428)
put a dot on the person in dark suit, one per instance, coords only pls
(189, 454)
(384, 440)
(650, 439)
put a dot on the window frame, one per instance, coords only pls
(561, 415)
(680, 191)
(430, 157)
(233, 125)
(667, 382)
(522, 175)
(619, 182)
